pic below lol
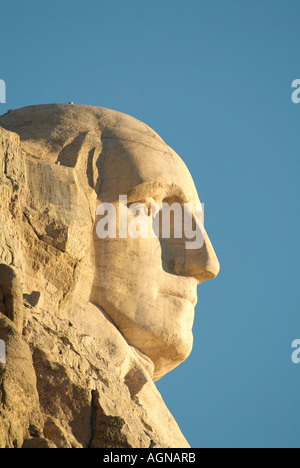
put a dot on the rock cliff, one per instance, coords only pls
(70, 378)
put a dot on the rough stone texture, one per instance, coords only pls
(20, 415)
(86, 326)
(11, 298)
(70, 379)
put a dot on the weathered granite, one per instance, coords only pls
(86, 327)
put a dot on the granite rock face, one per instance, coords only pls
(90, 322)
(70, 378)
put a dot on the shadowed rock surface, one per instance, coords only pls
(70, 378)
(89, 324)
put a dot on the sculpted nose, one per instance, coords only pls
(201, 264)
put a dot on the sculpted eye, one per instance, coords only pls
(141, 207)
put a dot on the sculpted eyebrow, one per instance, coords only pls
(157, 189)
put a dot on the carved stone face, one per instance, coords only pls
(148, 287)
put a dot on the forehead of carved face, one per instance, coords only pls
(148, 287)
(128, 165)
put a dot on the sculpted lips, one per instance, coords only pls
(192, 299)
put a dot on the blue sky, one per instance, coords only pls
(213, 78)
